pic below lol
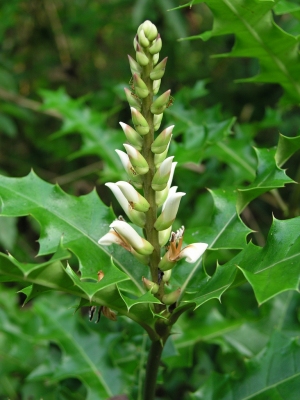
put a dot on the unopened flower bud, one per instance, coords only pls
(156, 46)
(164, 236)
(137, 217)
(141, 57)
(159, 158)
(159, 70)
(168, 215)
(166, 264)
(135, 42)
(157, 121)
(137, 160)
(150, 30)
(143, 41)
(161, 176)
(140, 245)
(151, 286)
(135, 199)
(171, 298)
(161, 196)
(160, 104)
(137, 180)
(140, 87)
(167, 276)
(134, 66)
(155, 59)
(156, 86)
(132, 136)
(162, 141)
(132, 100)
(139, 122)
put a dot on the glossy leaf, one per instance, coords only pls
(268, 176)
(272, 374)
(274, 268)
(258, 36)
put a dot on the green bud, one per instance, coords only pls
(161, 176)
(151, 286)
(135, 178)
(167, 276)
(149, 29)
(160, 104)
(137, 160)
(157, 121)
(159, 70)
(156, 86)
(132, 136)
(139, 122)
(141, 57)
(133, 101)
(135, 68)
(164, 236)
(156, 46)
(140, 86)
(162, 141)
(159, 158)
(171, 298)
(155, 58)
(165, 264)
(143, 41)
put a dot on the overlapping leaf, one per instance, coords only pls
(272, 374)
(257, 35)
(274, 268)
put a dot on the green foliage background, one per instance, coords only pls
(236, 86)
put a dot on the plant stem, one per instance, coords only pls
(153, 362)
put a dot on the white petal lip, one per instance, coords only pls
(171, 205)
(129, 191)
(131, 151)
(118, 195)
(166, 166)
(124, 159)
(110, 238)
(141, 245)
(193, 252)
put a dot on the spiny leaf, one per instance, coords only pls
(272, 374)
(268, 176)
(274, 268)
(287, 146)
(226, 231)
(257, 35)
(81, 221)
(52, 275)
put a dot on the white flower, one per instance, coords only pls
(170, 208)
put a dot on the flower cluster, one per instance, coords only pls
(151, 171)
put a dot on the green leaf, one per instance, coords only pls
(274, 268)
(258, 36)
(268, 176)
(226, 231)
(83, 351)
(287, 146)
(273, 374)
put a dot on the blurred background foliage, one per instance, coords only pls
(63, 67)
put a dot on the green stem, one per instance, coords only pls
(153, 362)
